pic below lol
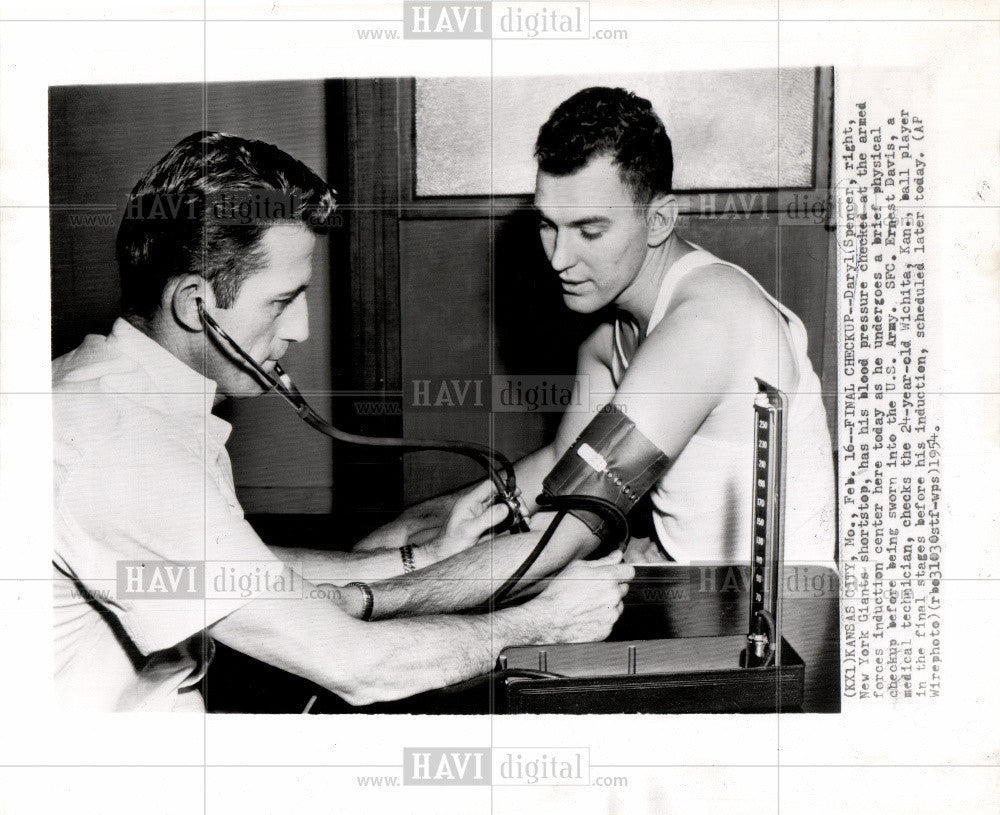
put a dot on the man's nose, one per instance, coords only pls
(563, 256)
(295, 320)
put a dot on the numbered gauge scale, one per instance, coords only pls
(758, 671)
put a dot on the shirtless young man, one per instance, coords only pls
(689, 334)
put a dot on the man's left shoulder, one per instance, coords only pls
(720, 294)
(721, 284)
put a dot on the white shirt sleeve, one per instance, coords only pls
(143, 520)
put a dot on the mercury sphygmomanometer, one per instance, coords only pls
(599, 480)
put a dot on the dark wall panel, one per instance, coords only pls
(444, 310)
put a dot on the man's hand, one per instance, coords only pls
(416, 525)
(472, 515)
(419, 524)
(583, 601)
(440, 528)
(644, 550)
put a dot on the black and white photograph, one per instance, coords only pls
(511, 327)
(500, 407)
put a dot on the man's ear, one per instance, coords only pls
(180, 299)
(661, 218)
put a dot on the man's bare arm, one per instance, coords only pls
(470, 577)
(680, 372)
(371, 662)
(695, 357)
(377, 661)
(320, 565)
(461, 581)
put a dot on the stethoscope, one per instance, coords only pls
(497, 465)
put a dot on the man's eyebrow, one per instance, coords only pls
(291, 292)
(591, 220)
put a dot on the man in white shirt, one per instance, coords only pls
(143, 484)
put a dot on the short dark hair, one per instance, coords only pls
(172, 224)
(614, 122)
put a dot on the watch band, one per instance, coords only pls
(406, 553)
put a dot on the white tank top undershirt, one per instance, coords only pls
(702, 505)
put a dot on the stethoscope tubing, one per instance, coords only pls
(283, 385)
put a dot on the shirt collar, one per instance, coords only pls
(168, 377)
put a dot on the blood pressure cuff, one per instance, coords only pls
(610, 459)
